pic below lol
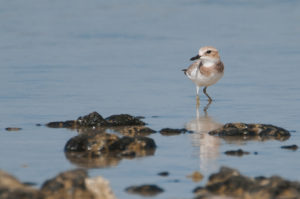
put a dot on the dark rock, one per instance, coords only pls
(238, 152)
(290, 147)
(66, 124)
(95, 143)
(145, 190)
(163, 173)
(170, 132)
(75, 184)
(139, 145)
(13, 129)
(103, 149)
(124, 120)
(243, 130)
(95, 120)
(229, 182)
(11, 188)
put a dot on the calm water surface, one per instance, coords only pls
(60, 60)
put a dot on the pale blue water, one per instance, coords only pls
(61, 59)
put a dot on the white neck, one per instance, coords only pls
(209, 62)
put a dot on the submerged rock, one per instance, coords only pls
(293, 147)
(169, 131)
(11, 188)
(75, 184)
(196, 176)
(238, 152)
(229, 182)
(65, 124)
(145, 190)
(94, 120)
(13, 129)
(103, 149)
(251, 130)
(163, 173)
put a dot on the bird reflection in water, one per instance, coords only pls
(207, 146)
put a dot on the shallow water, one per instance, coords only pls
(60, 60)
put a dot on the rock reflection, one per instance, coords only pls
(208, 145)
(85, 160)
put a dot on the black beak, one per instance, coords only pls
(194, 58)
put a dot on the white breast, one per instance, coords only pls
(202, 80)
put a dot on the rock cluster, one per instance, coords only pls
(74, 184)
(100, 149)
(10, 187)
(245, 131)
(230, 183)
(94, 119)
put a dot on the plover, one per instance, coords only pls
(206, 70)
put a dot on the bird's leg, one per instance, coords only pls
(206, 107)
(197, 96)
(204, 91)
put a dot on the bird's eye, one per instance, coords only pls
(208, 52)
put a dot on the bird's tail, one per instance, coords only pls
(184, 70)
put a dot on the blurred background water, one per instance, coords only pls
(62, 59)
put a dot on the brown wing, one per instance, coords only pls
(220, 67)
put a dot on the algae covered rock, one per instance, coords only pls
(95, 120)
(101, 143)
(101, 149)
(230, 183)
(93, 142)
(251, 130)
(124, 120)
(11, 188)
(75, 184)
